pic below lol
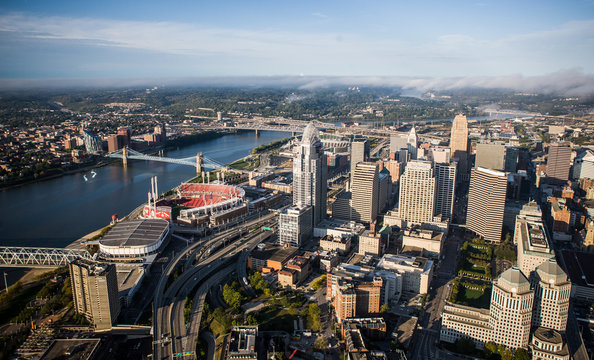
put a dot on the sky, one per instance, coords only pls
(51, 39)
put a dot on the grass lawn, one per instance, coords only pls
(15, 305)
(474, 298)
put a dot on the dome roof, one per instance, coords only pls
(552, 270)
(513, 277)
(310, 134)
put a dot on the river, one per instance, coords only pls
(55, 212)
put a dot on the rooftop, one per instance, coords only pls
(513, 277)
(133, 233)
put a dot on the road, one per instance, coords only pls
(427, 335)
(169, 304)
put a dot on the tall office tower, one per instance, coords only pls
(583, 165)
(558, 161)
(490, 156)
(486, 203)
(126, 133)
(310, 174)
(397, 142)
(359, 153)
(384, 193)
(445, 175)
(511, 309)
(412, 143)
(460, 145)
(551, 296)
(95, 292)
(365, 188)
(295, 225)
(417, 192)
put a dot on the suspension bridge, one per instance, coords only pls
(199, 161)
(39, 257)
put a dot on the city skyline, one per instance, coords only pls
(435, 40)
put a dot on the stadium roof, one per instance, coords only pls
(133, 233)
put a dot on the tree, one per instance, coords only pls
(465, 346)
(321, 343)
(319, 282)
(313, 314)
(232, 296)
(490, 350)
(521, 354)
(384, 308)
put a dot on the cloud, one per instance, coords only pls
(320, 15)
(567, 83)
(240, 51)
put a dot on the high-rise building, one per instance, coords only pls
(511, 309)
(558, 161)
(295, 225)
(370, 243)
(95, 292)
(459, 144)
(552, 290)
(417, 192)
(486, 203)
(310, 174)
(439, 154)
(507, 322)
(583, 165)
(397, 142)
(412, 143)
(384, 192)
(92, 142)
(490, 156)
(126, 134)
(359, 153)
(533, 243)
(365, 188)
(445, 175)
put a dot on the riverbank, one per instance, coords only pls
(183, 140)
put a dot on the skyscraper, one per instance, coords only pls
(95, 292)
(397, 142)
(445, 175)
(490, 156)
(417, 192)
(412, 143)
(359, 153)
(310, 174)
(558, 161)
(295, 225)
(486, 203)
(551, 296)
(511, 309)
(365, 188)
(459, 144)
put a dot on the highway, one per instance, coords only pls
(168, 323)
(427, 335)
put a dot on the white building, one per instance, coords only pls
(551, 296)
(417, 192)
(310, 174)
(295, 225)
(423, 238)
(416, 272)
(533, 243)
(583, 165)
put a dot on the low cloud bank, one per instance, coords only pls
(566, 83)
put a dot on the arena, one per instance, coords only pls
(134, 238)
(210, 203)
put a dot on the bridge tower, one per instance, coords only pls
(125, 156)
(257, 133)
(199, 167)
